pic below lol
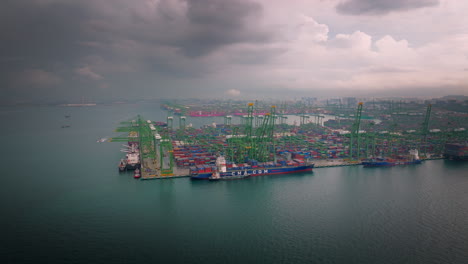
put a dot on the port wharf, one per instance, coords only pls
(166, 152)
(325, 163)
(147, 175)
(151, 167)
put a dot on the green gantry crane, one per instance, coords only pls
(425, 130)
(354, 135)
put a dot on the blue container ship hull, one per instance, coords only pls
(255, 172)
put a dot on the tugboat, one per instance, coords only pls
(101, 140)
(122, 165)
(137, 174)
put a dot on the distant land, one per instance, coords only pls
(460, 100)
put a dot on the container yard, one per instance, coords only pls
(256, 139)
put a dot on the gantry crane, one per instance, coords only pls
(264, 137)
(425, 130)
(354, 135)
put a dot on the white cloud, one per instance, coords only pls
(388, 44)
(355, 41)
(309, 31)
(311, 58)
(87, 72)
(233, 92)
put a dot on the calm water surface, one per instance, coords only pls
(63, 201)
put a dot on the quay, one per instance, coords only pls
(327, 163)
(264, 140)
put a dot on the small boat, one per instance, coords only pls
(122, 165)
(101, 140)
(137, 174)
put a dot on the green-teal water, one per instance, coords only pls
(63, 201)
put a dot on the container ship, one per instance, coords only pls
(222, 172)
(205, 113)
(218, 113)
(456, 151)
(387, 162)
(132, 158)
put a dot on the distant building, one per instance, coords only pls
(309, 100)
(349, 101)
(333, 101)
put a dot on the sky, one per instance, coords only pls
(118, 49)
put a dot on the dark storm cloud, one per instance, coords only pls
(54, 37)
(214, 23)
(52, 30)
(203, 27)
(40, 33)
(45, 31)
(378, 7)
(38, 43)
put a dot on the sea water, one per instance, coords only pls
(63, 201)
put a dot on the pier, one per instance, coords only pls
(327, 163)
(263, 139)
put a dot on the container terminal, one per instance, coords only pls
(262, 140)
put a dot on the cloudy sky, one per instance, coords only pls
(69, 49)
